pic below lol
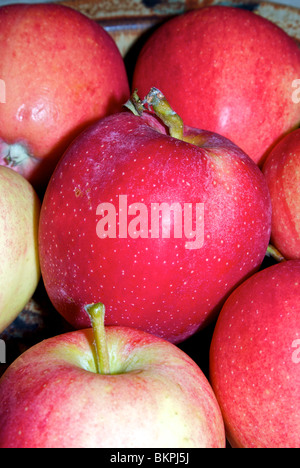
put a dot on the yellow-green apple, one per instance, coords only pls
(133, 390)
(19, 269)
(61, 71)
(254, 360)
(226, 70)
(282, 172)
(157, 228)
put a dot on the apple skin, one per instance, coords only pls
(254, 363)
(156, 396)
(20, 268)
(62, 71)
(233, 72)
(153, 284)
(282, 172)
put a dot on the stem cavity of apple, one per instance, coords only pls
(96, 313)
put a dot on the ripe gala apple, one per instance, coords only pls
(156, 228)
(61, 71)
(153, 395)
(233, 70)
(282, 172)
(255, 360)
(19, 269)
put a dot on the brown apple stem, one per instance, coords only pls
(164, 111)
(274, 253)
(96, 313)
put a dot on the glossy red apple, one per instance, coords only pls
(282, 171)
(226, 70)
(254, 360)
(157, 228)
(141, 392)
(61, 71)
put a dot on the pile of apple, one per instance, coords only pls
(148, 218)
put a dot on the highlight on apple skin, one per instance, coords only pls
(61, 71)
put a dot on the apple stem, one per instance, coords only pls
(96, 313)
(164, 111)
(134, 104)
(274, 253)
(156, 101)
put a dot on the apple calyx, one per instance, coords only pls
(17, 156)
(96, 313)
(14, 154)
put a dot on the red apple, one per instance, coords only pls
(227, 70)
(61, 71)
(19, 267)
(254, 360)
(141, 392)
(282, 172)
(106, 236)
